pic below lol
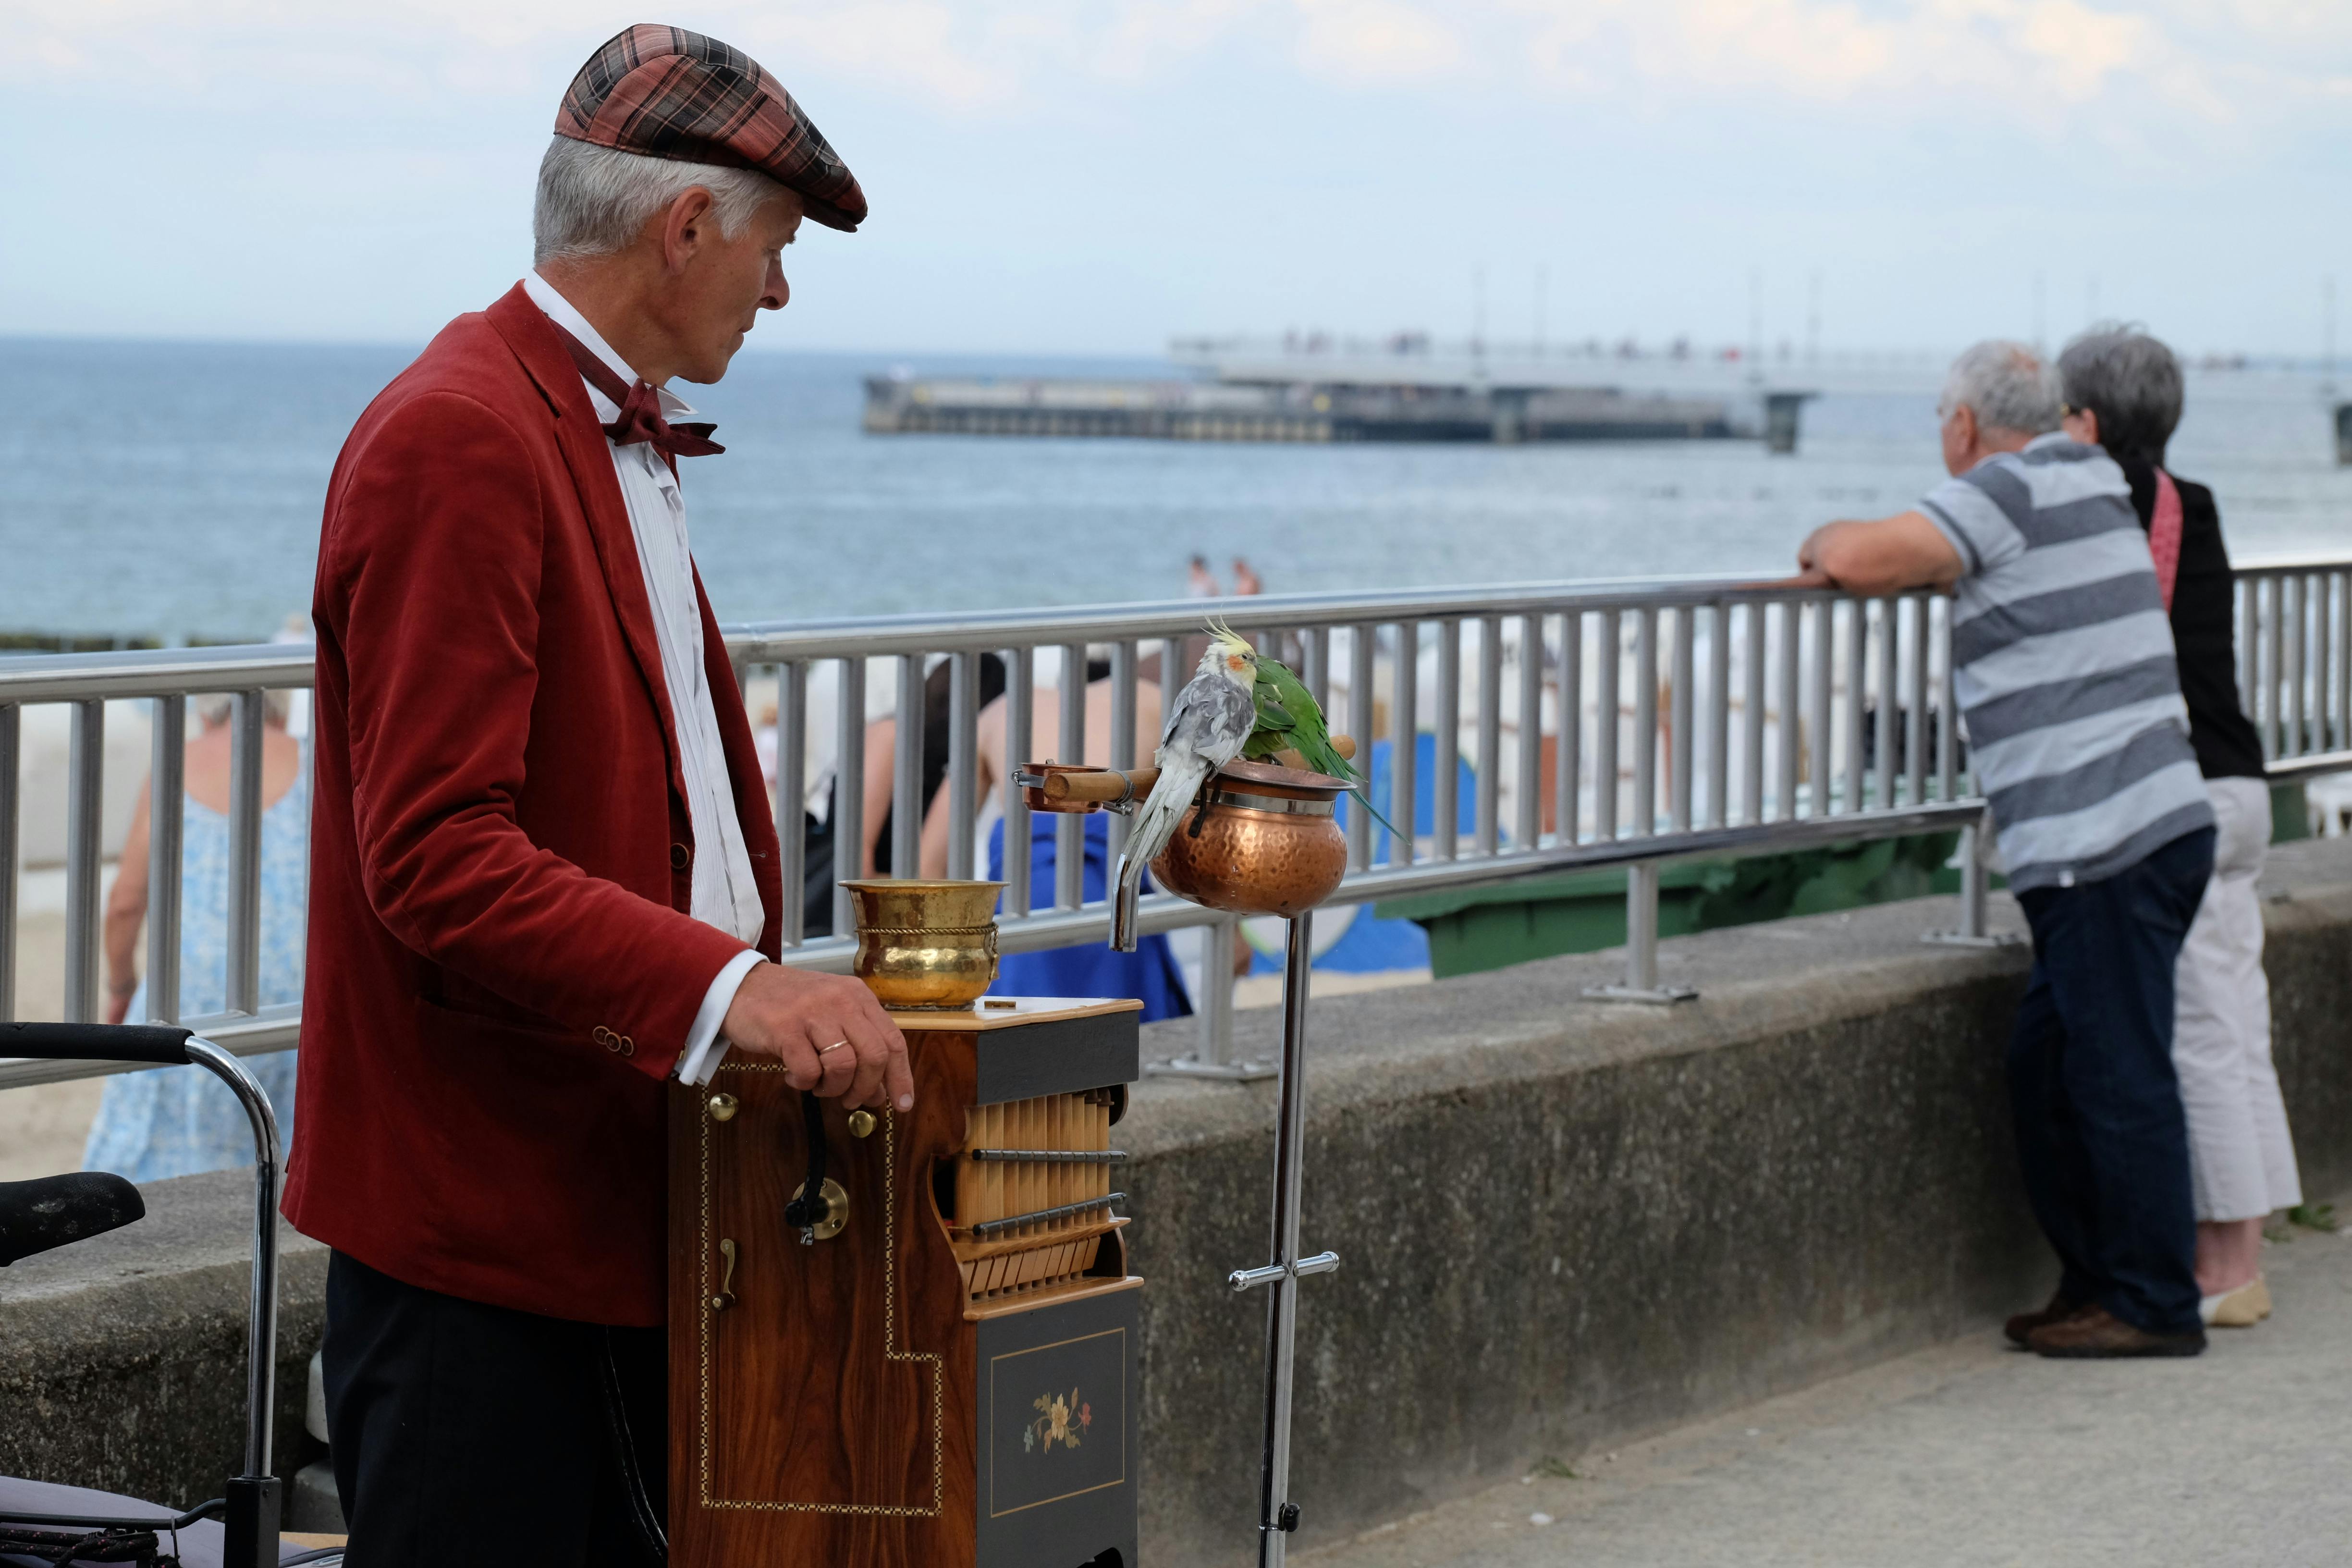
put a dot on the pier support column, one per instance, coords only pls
(1510, 410)
(1781, 410)
(2343, 435)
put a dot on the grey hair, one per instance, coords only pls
(2009, 386)
(594, 201)
(214, 706)
(2131, 381)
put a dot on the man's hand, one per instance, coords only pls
(828, 1031)
(1872, 559)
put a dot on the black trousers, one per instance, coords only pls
(2100, 1130)
(467, 1435)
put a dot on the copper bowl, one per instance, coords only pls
(1267, 843)
(925, 945)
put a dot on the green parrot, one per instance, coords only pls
(1289, 719)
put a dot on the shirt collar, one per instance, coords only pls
(564, 314)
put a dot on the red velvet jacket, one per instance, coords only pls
(501, 971)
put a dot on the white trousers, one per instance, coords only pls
(2242, 1158)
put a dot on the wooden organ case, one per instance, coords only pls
(944, 1372)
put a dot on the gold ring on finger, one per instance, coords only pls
(835, 1047)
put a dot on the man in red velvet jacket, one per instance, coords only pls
(543, 874)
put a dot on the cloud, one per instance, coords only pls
(1376, 40)
(2218, 62)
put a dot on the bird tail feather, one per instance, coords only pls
(1154, 824)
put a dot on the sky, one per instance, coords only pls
(1096, 176)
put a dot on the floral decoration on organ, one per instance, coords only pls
(1059, 1420)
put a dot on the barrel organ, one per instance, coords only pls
(933, 1361)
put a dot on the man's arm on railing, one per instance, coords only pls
(1889, 556)
(429, 598)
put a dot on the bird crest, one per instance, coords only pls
(1239, 655)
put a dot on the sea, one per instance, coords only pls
(173, 490)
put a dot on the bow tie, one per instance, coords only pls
(640, 406)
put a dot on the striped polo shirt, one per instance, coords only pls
(2063, 663)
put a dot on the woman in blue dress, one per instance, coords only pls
(177, 1121)
(1088, 969)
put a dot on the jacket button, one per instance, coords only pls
(601, 1036)
(627, 1047)
(680, 857)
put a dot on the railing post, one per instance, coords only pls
(1975, 894)
(85, 797)
(1445, 784)
(11, 729)
(963, 761)
(1070, 829)
(1361, 703)
(1020, 699)
(246, 732)
(1123, 666)
(848, 790)
(1642, 945)
(166, 820)
(1214, 1059)
(791, 796)
(907, 802)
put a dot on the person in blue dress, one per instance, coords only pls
(1088, 969)
(178, 1121)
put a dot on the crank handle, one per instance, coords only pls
(1274, 1273)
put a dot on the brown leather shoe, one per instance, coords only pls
(2021, 1328)
(2096, 1334)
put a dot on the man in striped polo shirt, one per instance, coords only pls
(2078, 737)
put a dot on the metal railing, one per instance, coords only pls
(1574, 725)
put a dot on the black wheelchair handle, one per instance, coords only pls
(159, 1044)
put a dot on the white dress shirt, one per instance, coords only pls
(725, 894)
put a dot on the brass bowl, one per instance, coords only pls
(925, 946)
(1267, 845)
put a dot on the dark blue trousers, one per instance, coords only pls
(2100, 1132)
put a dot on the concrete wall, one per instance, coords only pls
(1562, 1223)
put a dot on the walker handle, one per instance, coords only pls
(158, 1045)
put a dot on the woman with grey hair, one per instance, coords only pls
(2123, 393)
(178, 1121)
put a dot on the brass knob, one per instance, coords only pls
(722, 1108)
(861, 1123)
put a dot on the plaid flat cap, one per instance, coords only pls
(670, 93)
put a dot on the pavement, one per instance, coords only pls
(1970, 1453)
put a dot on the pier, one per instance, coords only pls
(1394, 397)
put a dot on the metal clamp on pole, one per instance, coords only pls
(1274, 1273)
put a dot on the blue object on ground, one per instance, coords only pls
(1370, 945)
(1088, 969)
(1424, 793)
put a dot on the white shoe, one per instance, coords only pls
(2240, 1309)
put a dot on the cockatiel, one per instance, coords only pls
(1207, 729)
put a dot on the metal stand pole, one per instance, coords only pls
(1976, 890)
(1642, 945)
(256, 1497)
(1214, 1057)
(1277, 1515)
